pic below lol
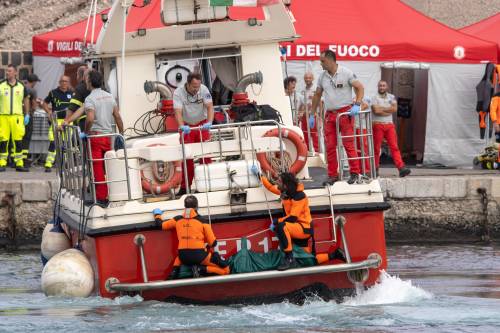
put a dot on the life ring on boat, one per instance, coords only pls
(156, 186)
(296, 140)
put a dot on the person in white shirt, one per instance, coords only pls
(336, 84)
(384, 105)
(193, 107)
(308, 117)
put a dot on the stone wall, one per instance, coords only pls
(25, 208)
(442, 208)
(22, 59)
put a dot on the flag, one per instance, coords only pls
(243, 3)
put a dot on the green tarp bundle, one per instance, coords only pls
(246, 261)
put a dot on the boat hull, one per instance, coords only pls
(116, 257)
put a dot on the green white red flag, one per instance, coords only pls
(243, 3)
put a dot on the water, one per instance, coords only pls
(427, 289)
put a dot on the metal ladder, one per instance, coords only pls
(365, 134)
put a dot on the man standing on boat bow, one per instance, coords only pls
(336, 83)
(193, 107)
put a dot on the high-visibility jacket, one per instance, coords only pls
(296, 208)
(192, 230)
(11, 98)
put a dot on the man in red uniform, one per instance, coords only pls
(193, 107)
(335, 84)
(384, 105)
(100, 109)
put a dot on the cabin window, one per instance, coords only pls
(220, 69)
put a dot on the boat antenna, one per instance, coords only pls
(92, 5)
(126, 6)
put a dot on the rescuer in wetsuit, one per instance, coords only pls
(295, 227)
(193, 232)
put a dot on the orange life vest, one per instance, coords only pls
(193, 232)
(296, 208)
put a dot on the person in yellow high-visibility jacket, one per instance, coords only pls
(14, 115)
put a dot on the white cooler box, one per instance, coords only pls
(183, 11)
(215, 176)
(115, 170)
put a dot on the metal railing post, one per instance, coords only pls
(341, 221)
(309, 136)
(139, 240)
(188, 188)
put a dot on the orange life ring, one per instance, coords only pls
(300, 145)
(158, 187)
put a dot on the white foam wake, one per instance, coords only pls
(388, 290)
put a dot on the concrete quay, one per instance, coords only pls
(431, 205)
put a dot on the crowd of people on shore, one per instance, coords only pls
(333, 96)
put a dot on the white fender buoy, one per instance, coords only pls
(68, 273)
(54, 240)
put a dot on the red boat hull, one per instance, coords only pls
(117, 256)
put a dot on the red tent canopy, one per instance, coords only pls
(380, 31)
(68, 41)
(487, 29)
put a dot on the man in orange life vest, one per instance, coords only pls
(193, 232)
(295, 227)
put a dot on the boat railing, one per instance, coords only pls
(69, 157)
(362, 135)
(241, 128)
(357, 271)
(92, 160)
(75, 163)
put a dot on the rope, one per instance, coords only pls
(265, 230)
(247, 236)
(254, 158)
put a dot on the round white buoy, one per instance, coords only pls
(54, 240)
(68, 273)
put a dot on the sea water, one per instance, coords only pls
(453, 288)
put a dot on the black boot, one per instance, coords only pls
(353, 178)
(337, 254)
(174, 274)
(330, 181)
(404, 171)
(287, 262)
